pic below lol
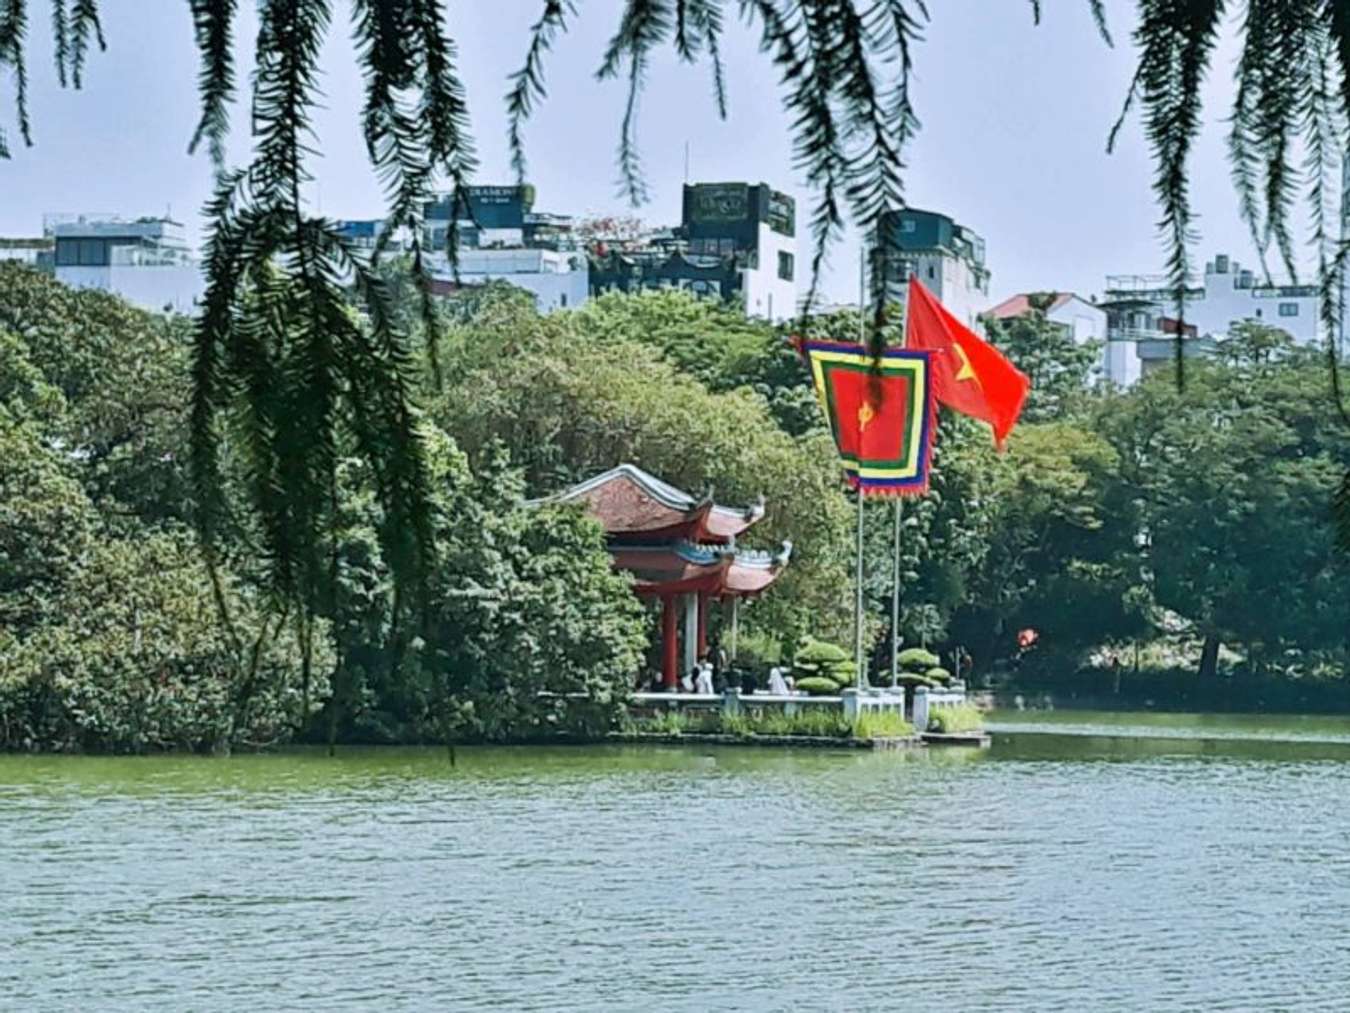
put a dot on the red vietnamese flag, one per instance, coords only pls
(969, 374)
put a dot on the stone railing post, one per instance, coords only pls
(919, 719)
(731, 701)
(852, 704)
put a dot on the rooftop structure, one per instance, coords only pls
(734, 241)
(1228, 294)
(145, 260)
(680, 549)
(947, 257)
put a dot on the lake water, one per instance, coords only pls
(1127, 862)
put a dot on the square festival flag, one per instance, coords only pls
(880, 411)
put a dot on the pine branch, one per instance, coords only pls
(527, 84)
(213, 25)
(698, 27)
(84, 22)
(1176, 39)
(60, 40)
(644, 26)
(1341, 514)
(13, 31)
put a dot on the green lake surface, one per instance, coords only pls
(1086, 862)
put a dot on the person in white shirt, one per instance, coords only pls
(703, 681)
(777, 684)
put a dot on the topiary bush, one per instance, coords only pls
(820, 653)
(916, 659)
(911, 679)
(939, 675)
(818, 659)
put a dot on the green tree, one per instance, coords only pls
(1060, 368)
(1227, 473)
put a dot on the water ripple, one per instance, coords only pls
(1032, 877)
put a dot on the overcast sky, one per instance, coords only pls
(1015, 119)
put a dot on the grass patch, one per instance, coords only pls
(882, 725)
(817, 722)
(955, 720)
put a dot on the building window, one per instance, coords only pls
(908, 224)
(932, 272)
(93, 252)
(785, 265)
(562, 299)
(1288, 309)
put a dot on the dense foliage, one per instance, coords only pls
(304, 381)
(115, 633)
(1189, 525)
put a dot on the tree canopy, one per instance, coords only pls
(298, 387)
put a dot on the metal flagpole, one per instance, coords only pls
(895, 597)
(858, 576)
(858, 604)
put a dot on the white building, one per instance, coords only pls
(144, 260)
(1142, 309)
(769, 281)
(35, 251)
(1084, 321)
(557, 279)
(947, 257)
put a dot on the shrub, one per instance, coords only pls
(818, 685)
(737, 724)
(667, 723)
(938, 675)
(917, 659)
(912, 679)
(820, 653)
(882, 725)
(954, 720)
(819, 723)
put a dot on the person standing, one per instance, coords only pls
(703, 681)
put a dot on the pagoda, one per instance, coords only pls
(680, 549)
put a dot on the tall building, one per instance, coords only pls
(144, 260)
(500, 237)
(946, 256)
(495, 217)
(1083, 321)
(735, 241)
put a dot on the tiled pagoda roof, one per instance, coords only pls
(634, 505)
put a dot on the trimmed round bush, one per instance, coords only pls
(910, 679)
(818, 685)
(939, 675)
(917, 659)
(818, 652)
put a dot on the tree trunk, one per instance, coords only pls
(1209, 657)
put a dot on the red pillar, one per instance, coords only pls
(670, 643)
(702, 623)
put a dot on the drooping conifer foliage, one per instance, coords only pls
(299, 382)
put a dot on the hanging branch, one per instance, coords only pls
(213, 25)
(1176, 39)
(527, 84)
(13, 31)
